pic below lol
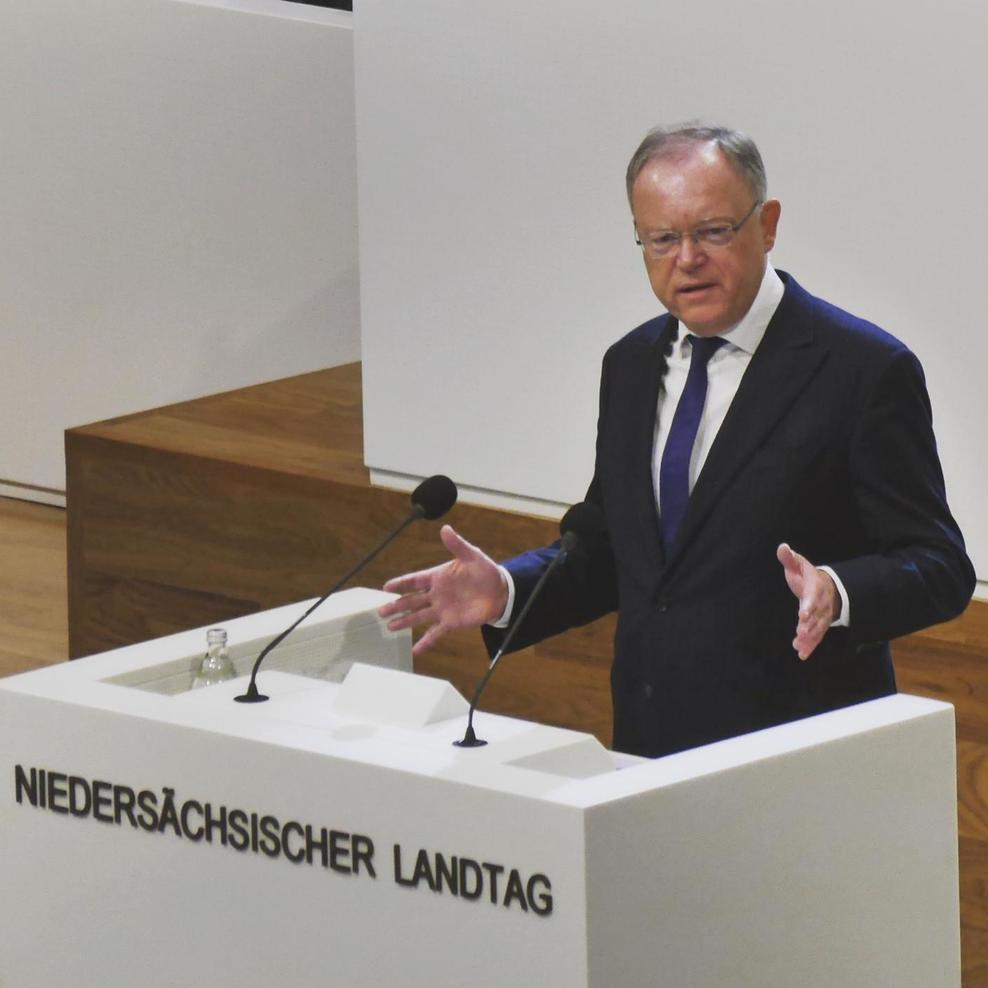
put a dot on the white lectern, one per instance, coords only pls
(151, 835)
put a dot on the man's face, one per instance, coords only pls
(709, 289)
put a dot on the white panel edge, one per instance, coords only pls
(476, 495)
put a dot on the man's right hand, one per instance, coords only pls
(466, 592)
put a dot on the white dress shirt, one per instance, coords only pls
(724, 372)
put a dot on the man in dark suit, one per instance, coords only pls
(751, 429)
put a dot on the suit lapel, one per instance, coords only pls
(787, 358)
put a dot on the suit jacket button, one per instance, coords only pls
(663, 606)
(647, 690)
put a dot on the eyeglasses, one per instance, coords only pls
(709, 235)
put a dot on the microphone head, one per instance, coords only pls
(583, 521)
(434, 496)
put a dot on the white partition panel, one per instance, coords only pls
(178, 193)
(497, 260)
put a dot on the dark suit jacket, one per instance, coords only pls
(828, 446)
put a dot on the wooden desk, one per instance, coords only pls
(203, 511)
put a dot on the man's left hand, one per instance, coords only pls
(819, 602)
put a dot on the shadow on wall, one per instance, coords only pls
(335, 4)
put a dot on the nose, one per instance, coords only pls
(690, 253)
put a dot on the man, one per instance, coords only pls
(766, 467)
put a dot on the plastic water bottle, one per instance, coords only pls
(216, 666)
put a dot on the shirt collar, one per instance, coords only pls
(748, 333)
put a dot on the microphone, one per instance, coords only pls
(581, 525)
(430, 500)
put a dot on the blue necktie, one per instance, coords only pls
(674, 470)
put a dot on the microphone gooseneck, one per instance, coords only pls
(431, 499)
(582, 523)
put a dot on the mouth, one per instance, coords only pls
(695, 291)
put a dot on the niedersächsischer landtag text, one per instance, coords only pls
(340, 851)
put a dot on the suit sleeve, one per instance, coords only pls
(915, 572)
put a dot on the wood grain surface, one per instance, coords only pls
(210, 509)
(33, 616)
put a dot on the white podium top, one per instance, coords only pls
(383, 714)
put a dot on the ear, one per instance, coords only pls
(769, 217)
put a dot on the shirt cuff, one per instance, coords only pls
(502, 621)
(844, 621)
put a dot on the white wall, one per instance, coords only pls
(497, 260)
(178, 203)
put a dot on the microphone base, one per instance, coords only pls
(470, 739)
(470, 743)
(251, 696)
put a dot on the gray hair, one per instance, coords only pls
(739, 149)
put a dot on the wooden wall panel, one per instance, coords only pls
(211, 509)
(950, 663)
(207, 510)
